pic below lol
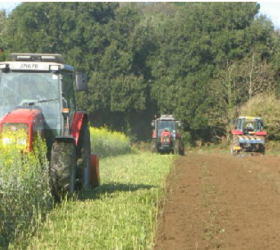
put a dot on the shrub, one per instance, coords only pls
(265, 106)
(24, 191)
(108, 143)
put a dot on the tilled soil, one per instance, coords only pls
(222, 202)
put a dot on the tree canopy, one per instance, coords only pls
(198, 61)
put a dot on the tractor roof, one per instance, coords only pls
(249, 118)
(167, 117)
(35, 62)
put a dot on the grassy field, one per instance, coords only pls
(120, 214)
(24, 184)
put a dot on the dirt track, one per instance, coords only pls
(222, 202)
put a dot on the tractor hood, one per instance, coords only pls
(22, 116)
(29, 120)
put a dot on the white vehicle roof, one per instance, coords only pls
(167, 117)
(249, 118)
(35, 62)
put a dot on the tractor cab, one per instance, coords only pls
(249, 125)
(248, 135)
(37, 97)
(41, 82)
(166, 137)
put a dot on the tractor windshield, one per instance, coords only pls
(24, 88)
(252, 125)
(166, 125)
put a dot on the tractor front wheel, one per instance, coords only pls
(177, 147)
(63, 169)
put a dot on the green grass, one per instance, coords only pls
(120, 214)
(24, 183)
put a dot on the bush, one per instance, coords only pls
(24, 192)
(265, 106)
(108, 143)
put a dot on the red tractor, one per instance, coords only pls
(248, 135)
(37, 97)
(166, 138)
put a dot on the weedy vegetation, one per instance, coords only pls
(120, 214)
(24, 193)
(106, 143)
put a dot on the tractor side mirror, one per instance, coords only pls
(179, 124)
(81, 81)
(153, 123)
(263, 125)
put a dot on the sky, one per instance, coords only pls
(270, 9)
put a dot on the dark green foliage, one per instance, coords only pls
(199, 61)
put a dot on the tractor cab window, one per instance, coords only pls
(69, 93)
(249, 126)
(252, 126)
(166, 125)
(258, 125)
(30, 89)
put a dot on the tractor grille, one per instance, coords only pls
(166, 139)
(15, 134)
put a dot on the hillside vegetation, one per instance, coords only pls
(199, 61)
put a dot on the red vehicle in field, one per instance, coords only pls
(166, 138)
(37, 97)
(248, 135)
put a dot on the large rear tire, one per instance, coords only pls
(177, 147)
(83, 157)
(262, 149)
(234, 143)
(182, 150)
(154, 146)
(63, 169)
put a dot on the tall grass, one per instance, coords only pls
(119, 215)
(24, 193)
(108, 143)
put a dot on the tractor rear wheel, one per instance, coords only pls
(83, 157)
(177, 147)
(234, 143)
(63, 169)
(182, 150)
(262, 149)
(262, 146)
(154, 146)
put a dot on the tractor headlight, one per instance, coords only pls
(21, 141)
(15, 134)
(7, 141)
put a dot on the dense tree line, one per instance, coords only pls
(199, 61)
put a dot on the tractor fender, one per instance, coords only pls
(236, 132)
(94, 172)
(154, 134)
(77, 124)
(261, 133)
(178, 135)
